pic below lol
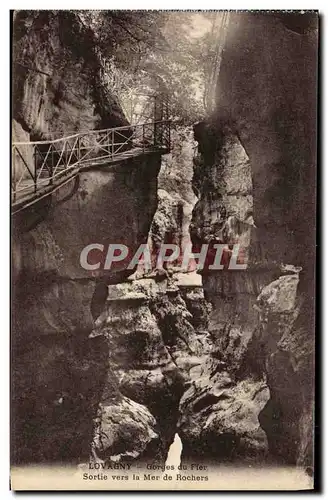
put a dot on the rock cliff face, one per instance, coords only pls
(55, 300)
(176, 199)
(59, 87)
(176, 196)
(268, 95)
(156, 335)
(255, 176)
(110, 365)
(58, 371)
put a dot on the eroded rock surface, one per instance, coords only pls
(114, 371)
(60, 87)
(153, 346)
(124, 431)
(255, 177)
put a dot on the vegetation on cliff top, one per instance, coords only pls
(135, 51)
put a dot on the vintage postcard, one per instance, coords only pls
(163, 198)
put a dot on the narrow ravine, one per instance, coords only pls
(182, 361)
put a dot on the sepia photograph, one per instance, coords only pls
(163, 249)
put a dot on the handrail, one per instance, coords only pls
(90, 132)
(37, 165)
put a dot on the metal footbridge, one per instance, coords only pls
(39, 168)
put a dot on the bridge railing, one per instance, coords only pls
(42, 163)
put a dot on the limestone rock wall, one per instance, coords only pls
(111, 368)
(56, 300)
(59, 84)
(59, 372)
(255, 175)
(176, 199)
(156, 335)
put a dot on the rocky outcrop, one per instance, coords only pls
(55, 300)
(59, 81)
(219, 417)
(60, 88)
(152, 349)
(113, 368)
(288, 350)
(175, 194)
(176, 199)
(125, 431)
(255, 177)
(225, 190)
(268, 96)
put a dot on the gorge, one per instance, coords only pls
(112, 366)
